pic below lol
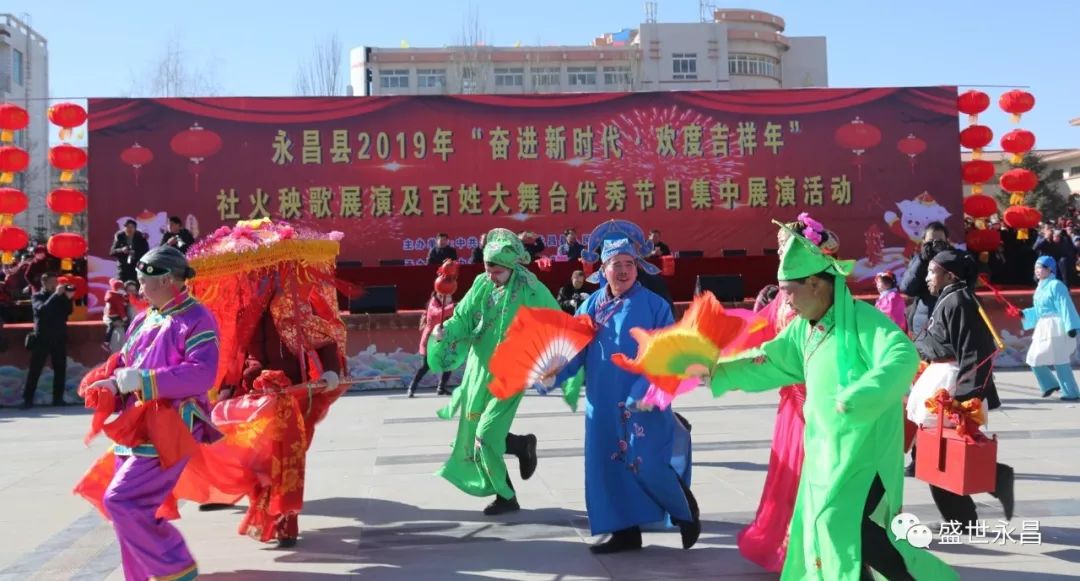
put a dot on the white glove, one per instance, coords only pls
(540, 388)
(438, 333)
(105, 383)
(331, 379)
(128, 380)
(644, 407)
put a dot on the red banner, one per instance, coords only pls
(708, 169)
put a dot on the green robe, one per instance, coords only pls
(843, 451)
(479, 323)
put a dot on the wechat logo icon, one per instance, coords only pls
(906, 526)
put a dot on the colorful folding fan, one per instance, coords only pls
(538, 342)
(691, 347)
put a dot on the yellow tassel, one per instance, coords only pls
(65, 219)
(7, 178)
(1016, 158)
(1022, 234)
(65, 176)
(984, 257)
(973, 119)
(6, 219)
(1016, 199)
(1015, 117)
(976, 153)
(65, 133)
(6, 135)
(9, 257)
(65, 264)
(976, 189)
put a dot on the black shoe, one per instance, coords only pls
(527, 464)
(690, 530)
(619, 541)
(1004, 490)
(286, 543)
(502, 505)
(441, 390)
(212, 506)
(410, 392)
(1050, 391)
(910, 470)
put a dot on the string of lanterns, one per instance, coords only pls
(13, 160)
(67, 201)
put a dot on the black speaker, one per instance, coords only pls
(728, 288)
(376, 299)
(392, 262)
(734, 252)
(689, 253)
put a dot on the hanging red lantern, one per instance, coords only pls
(12, 240)
(1016, 103)
(12, 202)
(973, 102)
(980, 206)
(1017, 181)
(976, 138)
(68, 116)
(977, 172)
(911, 146)
(12, 161)
(12, 118)
(983, 240)
(66, 202)
(196, 144)
(137, 156)
(1021, 219)
(1018, 142)
(68, 159)
(67, 246)
(858, 136)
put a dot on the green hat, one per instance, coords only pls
(503, 247)
(803, 258)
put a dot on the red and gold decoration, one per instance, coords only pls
(67, 246)
(911, 146)
(1022, 218)
(1018, 181)
(12, 161)
(12, 118)
(1017, 142)
(12, 201)
(976, 173)
(972, 103)
(66, 202)
(137, 156)
(1016, 103)
(857, 136)
(975, 138)
(961, 460)
(68, 159)
(68, 116)
(12, 240)
(196, 144)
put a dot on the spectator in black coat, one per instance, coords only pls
(441, 251)
(659, 248)
(177, 236)
(478, 252)
(571, 248)
(52, 307)
(534, 244)
(573, 293)
(913, 283)
(129, 245)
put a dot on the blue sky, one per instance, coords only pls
(98, 48)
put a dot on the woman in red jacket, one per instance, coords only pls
(439, 308)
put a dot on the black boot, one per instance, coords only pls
(411, 391)
(501, 506)
(619, 541)
(286, 543)
(527, 461)
(1004, 489)
(689, 530)
(212, 506)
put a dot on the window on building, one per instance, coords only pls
(684, 66)
(431, 78)
(470, 80)
(617, 76)
(754, 65)
(17, 65)
(579, 76)
(1074, 171)
(394, 79)
(546, 77)
(512, 77)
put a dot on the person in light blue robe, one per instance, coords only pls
(637, 459)
(1055, 321)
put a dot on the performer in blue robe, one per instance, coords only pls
(1055, 321)
(637, 460)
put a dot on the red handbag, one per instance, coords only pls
(957, 463)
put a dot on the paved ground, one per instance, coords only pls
(375, 511)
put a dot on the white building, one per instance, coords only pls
(738, 49)
(24, 81)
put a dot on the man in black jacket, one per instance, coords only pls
(441, 251)
(52, 306)
(913, 283)
(956, 333)
(571, 248)
(129, 245)
(573, 293)
(178, 237)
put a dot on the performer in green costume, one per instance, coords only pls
(857, 366)
(480, 321)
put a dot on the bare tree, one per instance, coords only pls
(323, 73)
(172, 74)
(472, 55)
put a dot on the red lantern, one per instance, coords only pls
(1021, 218)
(12, 240)
(446, 283)
(983, 240)
(980, 206)
(858, 136)
(977, 172)
(68, 116)
(136, 156)
(67, 246)
(68, 159)
(972, 102)
(12, 202)
(976, 138)
(12, 118)
(1016, 102)
(12, 161)
(911, 146)
(1017, 181)
(196, 144)
(1018, 142)
(66, 201)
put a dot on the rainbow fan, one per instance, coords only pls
(668, 357)
(538, 342)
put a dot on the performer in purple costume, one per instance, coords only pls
(171, 353)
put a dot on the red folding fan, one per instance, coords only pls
(538, 342)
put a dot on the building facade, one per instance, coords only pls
(738, 49)
(24, 81)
